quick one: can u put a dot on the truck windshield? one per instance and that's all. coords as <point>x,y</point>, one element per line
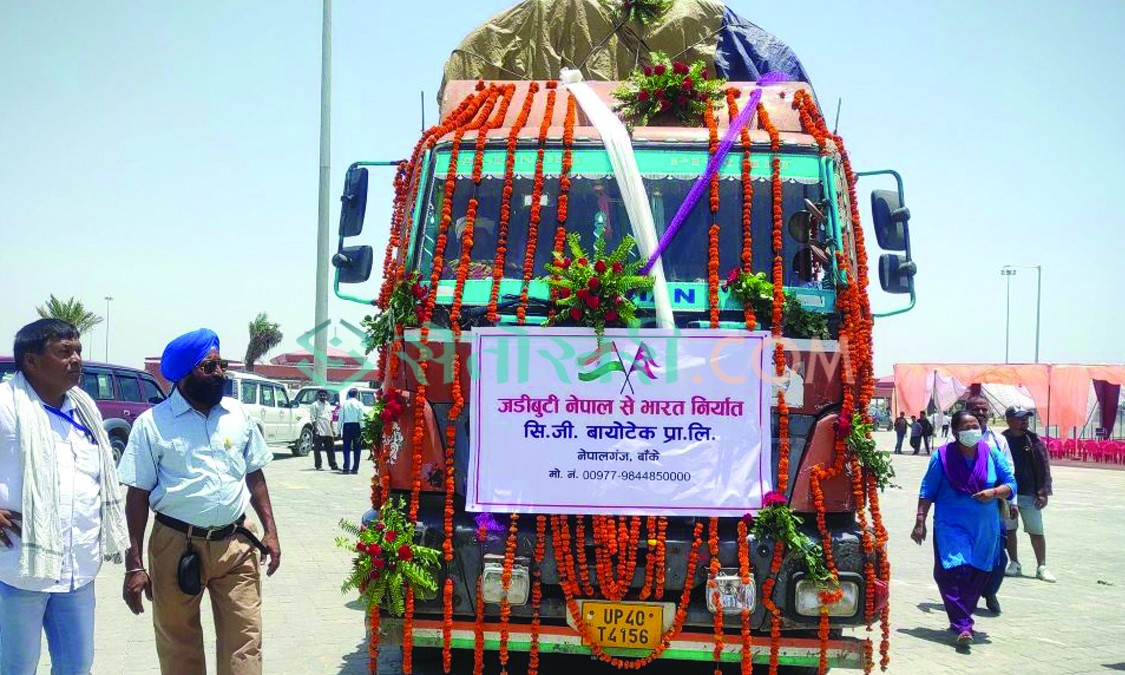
<point>595,208</point>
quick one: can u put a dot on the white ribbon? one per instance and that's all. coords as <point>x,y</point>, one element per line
<point>619,147</point>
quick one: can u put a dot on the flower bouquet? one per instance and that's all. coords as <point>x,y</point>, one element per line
<point>667,90</point>
<point>594,289</point>
<point>388,561</point>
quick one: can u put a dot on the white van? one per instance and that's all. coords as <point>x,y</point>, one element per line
<point>281,420</point>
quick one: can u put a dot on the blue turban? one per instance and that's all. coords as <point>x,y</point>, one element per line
<point>185,352</point>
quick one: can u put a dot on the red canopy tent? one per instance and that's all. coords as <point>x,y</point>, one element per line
<point>1061,392</point>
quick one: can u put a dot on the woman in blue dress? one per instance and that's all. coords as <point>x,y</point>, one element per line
<point>963,480</point>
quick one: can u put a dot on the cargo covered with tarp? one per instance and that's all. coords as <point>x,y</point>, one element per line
<point>536,39</point>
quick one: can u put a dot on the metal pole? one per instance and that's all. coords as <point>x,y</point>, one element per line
<point>323,244</point>
<point>1038,304</point>
<point>108,299</point>
<point>1008,318</point>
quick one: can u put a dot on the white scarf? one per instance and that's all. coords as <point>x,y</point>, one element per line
<point>41,550</point>
<point>619,148</point>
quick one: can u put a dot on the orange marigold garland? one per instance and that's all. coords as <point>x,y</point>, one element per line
<point>537,593</point>
<point>661,552</point>
<point>457,394</point>
<point>583,566</point>
<point>373,643</point>
<point>570,590</point>
<point>747,203</point>
<point>506,583</point>
<point>536,209</point>
<point>713,589</point>
<point>564,182</point>
<point>506,200</point>
<point>774,610</point>
<point>478,622</point>
<point>747,662</point>
<point>713,232</point>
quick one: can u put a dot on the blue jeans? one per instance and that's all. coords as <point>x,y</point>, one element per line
<point>68,619</point>
<point>351,446</point>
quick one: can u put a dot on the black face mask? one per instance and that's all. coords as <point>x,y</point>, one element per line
<point>208,391</point>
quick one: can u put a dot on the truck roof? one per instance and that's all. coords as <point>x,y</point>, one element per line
<point>777,98</point>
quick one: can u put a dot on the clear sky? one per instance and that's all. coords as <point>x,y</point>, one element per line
<point>166,154</point>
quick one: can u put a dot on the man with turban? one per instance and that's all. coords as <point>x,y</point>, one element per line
<point>196,460</point>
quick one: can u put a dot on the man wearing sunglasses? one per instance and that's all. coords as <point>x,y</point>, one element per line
<point>196,460</point>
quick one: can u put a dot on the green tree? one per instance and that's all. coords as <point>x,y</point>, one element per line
<point>264,336</point>
<point>71,311</point>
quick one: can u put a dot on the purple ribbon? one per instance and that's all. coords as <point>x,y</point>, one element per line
<point>744,117</point>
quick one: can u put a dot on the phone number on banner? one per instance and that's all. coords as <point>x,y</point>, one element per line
<point>652,476</point>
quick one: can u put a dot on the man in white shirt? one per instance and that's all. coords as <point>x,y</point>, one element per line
<point>351,418</point>
<point>320,413</point>
<point>61,512</point>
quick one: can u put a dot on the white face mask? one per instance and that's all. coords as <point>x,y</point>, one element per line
<point>969,437</point>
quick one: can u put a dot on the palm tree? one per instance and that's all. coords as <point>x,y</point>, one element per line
<point>72,311</point>
<point>264,336</point>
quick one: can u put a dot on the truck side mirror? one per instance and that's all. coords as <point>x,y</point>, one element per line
<point>891,220</point>
<point>896,273</point>
<point>353,264</point>
<point>353,203</point>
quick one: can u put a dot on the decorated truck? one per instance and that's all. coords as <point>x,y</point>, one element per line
<point>625,341</point>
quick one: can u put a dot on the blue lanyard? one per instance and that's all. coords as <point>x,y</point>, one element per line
<point>74,423</point>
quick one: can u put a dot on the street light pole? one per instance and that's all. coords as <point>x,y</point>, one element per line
<point>108,299</point>
<point>323,244</point>
<point>1038,304</point>
<point>1008,273</point>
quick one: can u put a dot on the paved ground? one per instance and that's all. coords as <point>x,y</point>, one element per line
<point>1074,626</point>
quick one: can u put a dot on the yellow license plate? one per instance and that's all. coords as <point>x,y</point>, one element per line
<point>624,624</point>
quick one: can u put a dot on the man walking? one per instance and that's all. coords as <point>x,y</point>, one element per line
<point>980,409</point>
<point>900,432</point>
<point>351,417</point>
<point>941,422</point>
<point>196,460</point>
<point>323,439</point>
<point>927,430</point>
<point>915,434</point>
<point>1033,487</point>
<point>61,512</point>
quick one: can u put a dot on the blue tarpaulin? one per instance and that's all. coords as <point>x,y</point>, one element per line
<point>746,52</point>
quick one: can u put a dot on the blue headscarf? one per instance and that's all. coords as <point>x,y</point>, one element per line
<point>185,352</point>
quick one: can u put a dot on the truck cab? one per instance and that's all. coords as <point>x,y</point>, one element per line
<point>819,230</point>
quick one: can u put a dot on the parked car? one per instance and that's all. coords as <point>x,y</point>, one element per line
<point>121,394</point>
<point>281,420</point>
<point>306,396</point>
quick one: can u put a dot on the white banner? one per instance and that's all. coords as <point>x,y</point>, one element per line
<point>651,422</point>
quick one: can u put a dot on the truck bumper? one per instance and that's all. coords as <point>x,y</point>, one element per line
<point>843,652</point>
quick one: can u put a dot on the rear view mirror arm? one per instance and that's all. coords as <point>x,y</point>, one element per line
<point>901,200</point>
<point>340,242</point>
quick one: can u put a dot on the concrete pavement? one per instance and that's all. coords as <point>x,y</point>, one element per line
<point>1074,626</point>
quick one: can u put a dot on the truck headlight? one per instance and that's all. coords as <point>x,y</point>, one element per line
<point>492,582</point>
<point>733,595</point>
<point>807,597</point>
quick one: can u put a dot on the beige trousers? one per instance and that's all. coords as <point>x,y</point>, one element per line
<point>231,575</point>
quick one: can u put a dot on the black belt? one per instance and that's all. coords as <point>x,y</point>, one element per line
<point>212,533</point>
